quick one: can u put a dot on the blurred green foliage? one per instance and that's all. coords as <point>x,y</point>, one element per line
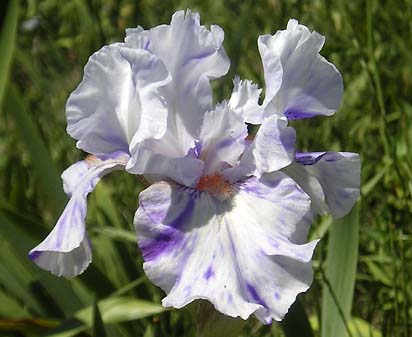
<point>44,46</point>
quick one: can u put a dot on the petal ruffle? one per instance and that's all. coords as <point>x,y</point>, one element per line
<point>299,82</point>
<point>240,253</point>
<point>193,55</point>
<point>222,139</point>
<point>118,100</point>
<point>66,251</point>
<point>244,101</point>
<point>332,180</point>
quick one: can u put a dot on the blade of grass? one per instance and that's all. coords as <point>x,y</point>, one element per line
<point>114,310</point>
<point>339,276</point>
<point>7,44</point>
<point>98,326</point>
<point>37,289</point>
<point>44,168</point>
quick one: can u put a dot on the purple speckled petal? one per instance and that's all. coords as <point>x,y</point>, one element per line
<point>66,250</point>
<point>118,100</point>
<point>242,253</point>
<point>244,101</point>
<point>332,179</point>
<point>193,55</point>
<point>299,82</point>
<point>271,150</point>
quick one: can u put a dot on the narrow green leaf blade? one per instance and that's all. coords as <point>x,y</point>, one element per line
<point>340,274</point>
<point>120,309</point>
<point>113,309</point>
<point>44,168</point>
<point>7,44</point>
<point>98,326</point>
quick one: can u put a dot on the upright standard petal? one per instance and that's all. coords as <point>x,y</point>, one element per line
<point>118,100</point>
<point>222,139</point>
<point>299,82</point>
<point>332,180</point>
<point>66,251</point>
<point>193,55</point>
<point>239,253</point>
<point>244,101</point>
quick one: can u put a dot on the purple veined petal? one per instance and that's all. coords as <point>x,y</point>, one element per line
<point>242,254</point>
<point>308,158</point>
<point>66,251</point>
<point>193,55</point>
<point>332,181</point>
<point>244,101</point>
<point>271,150</point>
<point>118,99</point>
<point>299,82</point>
<point>222,138</point>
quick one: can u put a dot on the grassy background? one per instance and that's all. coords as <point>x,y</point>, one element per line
<point>369,41</point>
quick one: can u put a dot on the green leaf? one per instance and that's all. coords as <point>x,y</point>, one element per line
<point>122,235</point>
<point>357,326</point>
<point>98,326</point>
<point>114,310</point>
<point>7,44</point>
<point>40,291</point>
<point>340,274</point>
<point>10,307</point>
<point>44,168</point>
<point>120,309</point>
<point>361,328</point>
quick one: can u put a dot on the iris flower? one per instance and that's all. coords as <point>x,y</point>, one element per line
<point>226,217</point>
<point>131,94</point>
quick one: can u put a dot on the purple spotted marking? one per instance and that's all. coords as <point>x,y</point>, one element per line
<point>34,255</point>
<point>297,114</point>
<point>255,296</point>
<point>277,295</point>
<point>170,238</point>
<point>309,158</point>
<point>331,157</point>
<point>230,298</point>
<point>146,46</point>
<point>209,273</point>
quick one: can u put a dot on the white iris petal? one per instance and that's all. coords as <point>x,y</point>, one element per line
<point>300,83</point>
<point>234,239</point>
<point>332,181</point>
<point>66,251</point>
